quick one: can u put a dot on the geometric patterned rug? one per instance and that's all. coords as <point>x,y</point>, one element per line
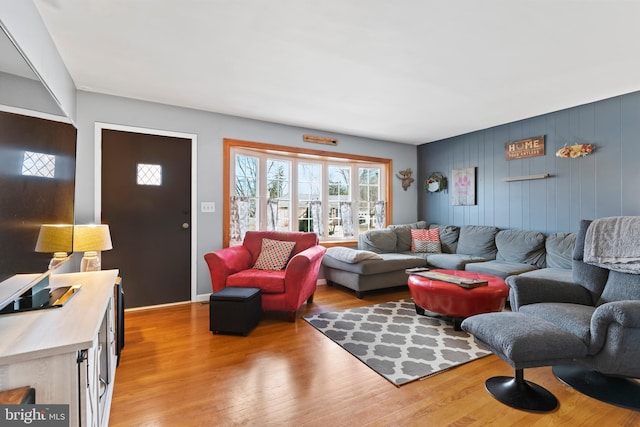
<point>396,342</point>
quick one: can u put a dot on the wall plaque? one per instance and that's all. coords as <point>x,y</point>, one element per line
<point>320,139</point>
<point>524,148</point>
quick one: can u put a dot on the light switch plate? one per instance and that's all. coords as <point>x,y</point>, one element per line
<point>207,207</point>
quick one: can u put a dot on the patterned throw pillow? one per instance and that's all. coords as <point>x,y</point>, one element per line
<point>425,240</point>
<point>274,254</point>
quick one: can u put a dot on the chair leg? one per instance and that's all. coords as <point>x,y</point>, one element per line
<point>291,316</point>
<point>310,299</point>
<point>521,394</point>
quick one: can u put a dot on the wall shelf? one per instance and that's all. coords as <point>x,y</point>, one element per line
<point>526,177</point>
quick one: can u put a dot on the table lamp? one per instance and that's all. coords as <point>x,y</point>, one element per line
<point>56,239</point>
<point>91,239</point>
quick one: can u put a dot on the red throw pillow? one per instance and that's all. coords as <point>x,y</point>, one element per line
<point>425,241</point>
<point>274,254</point>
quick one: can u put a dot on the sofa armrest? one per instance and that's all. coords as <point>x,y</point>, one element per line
<point>530,290</point>
<point>301,273</point>
<point>225,262</point>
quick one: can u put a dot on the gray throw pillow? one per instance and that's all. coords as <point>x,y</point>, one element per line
<point>560,247</point>
<point>478,240</point>
<point>349,255</point>
<point>380,241</point>
<point>448,237</point>
<point>521,246</point>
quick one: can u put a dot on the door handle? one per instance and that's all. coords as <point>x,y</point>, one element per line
<point>185,225</point>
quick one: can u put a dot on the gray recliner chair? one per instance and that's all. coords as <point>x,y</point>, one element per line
<point>589,331</point>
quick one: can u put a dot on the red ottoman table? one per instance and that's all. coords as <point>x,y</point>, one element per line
<point>456,302</point>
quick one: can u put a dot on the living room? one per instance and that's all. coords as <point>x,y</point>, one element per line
<point>590,187</point>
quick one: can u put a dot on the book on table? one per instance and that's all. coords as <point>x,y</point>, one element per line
<point>450,278</point>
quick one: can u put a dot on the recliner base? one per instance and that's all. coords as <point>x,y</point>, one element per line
<point>619,391</point>
<point>521,394</point>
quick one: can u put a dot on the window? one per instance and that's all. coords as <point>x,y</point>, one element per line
<point>149,174</point>
<point>278,194</point>
<point>39,164</point>
<point>309,191</point>
<point>339,184</point>
<point>270,187</point>
<point>369,187</point>
<point>246,187</point>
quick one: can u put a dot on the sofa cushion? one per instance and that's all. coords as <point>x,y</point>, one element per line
<point>270,281</point>
<point>560,247</point>
<point>520,246</point>
<point>451,261</point>
<point>379,241</point>
<point>478,240</point>
<point>502,269</point>
<point>274,254</point>
<point>350,255</point>
<point>448,237</point>
<point>389,262</point>
<point>403,234</point>
<point>425,241</point>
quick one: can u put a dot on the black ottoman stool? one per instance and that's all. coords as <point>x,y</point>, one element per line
<point>234,310</point>
<point>523,342</point>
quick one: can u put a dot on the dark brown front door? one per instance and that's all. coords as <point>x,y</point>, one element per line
<point>146,200</point>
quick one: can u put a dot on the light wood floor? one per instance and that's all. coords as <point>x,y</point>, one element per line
<point>174,372</point>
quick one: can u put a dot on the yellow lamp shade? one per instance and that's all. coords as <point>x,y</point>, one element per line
<point>91,238</point>
<point>54,238</point>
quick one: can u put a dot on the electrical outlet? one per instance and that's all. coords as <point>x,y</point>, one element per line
<point>207,207</point>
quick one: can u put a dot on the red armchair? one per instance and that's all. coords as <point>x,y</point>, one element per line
<point>282,290</point>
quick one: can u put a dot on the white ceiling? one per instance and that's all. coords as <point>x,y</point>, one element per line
<point>410,71</point>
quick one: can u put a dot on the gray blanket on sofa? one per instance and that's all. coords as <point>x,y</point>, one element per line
<point>614,243</point>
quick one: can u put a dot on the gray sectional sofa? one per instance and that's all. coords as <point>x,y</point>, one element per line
<point>382,256</point>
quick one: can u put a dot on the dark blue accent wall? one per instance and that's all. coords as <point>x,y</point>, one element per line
<point>604,183</point>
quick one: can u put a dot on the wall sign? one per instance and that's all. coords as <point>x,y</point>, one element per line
<point>464,187</point>
<point>320,139</point>
<point>524,148</point>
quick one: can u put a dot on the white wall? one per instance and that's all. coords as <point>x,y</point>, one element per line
<point>22,21</point>
<point>210,129</point>
<point>28,94</point>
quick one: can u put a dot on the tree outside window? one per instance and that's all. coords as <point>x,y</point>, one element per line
<point>369,192</point>
<point>339,191</point>
<point>278,187</point>
<point>246,184</point>
<point>309,189</point>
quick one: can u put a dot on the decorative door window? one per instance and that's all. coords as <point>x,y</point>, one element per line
<point>149,174</point>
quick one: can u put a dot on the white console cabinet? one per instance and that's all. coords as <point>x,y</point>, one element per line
<point>68,354</point>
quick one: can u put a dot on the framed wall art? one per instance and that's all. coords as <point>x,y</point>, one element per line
<point>464,187</point>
